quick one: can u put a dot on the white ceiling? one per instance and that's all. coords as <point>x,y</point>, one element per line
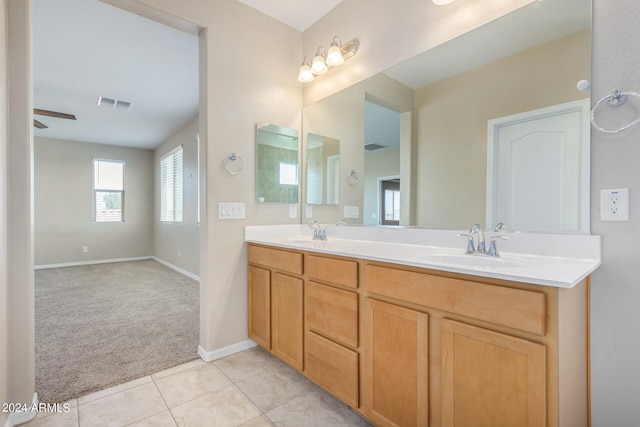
<point>84,49</point>
<point>299,14</point>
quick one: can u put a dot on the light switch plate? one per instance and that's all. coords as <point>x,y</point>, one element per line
<point>614,205</point>
<point>293,211</point>
<point>352,212</point>
<point>231,211</point>
<point>308,212</point>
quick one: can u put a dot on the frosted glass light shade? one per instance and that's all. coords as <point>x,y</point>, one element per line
<point>442,2</point>
<point>334,55</point>
<point>305,74</point>
<point>318,65</point>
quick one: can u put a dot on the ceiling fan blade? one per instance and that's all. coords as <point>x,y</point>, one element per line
<point>53,114</point>
<point>39,125</point>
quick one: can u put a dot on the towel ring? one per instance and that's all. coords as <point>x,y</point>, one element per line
<point>352,177</point>
<point>614,100</point>
<point>233,164</point>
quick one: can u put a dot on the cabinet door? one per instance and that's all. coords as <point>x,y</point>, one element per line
<point>491,379</point>
<point>333,367</point>
<point>286,319</point>
<point>259,306</point>
<point>395,365</point>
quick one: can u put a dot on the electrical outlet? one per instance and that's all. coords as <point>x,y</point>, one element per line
<point>293,211</point>
<point>614,205</point>
<point>85,249</point>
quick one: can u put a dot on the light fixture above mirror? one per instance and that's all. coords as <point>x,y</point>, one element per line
<point>325,60</point>
<point>442,2</point>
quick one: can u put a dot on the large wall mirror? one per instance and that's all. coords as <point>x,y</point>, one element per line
<point>422,125</point>
<point>277,172</point>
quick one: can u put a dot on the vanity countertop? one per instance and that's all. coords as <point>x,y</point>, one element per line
<point>560,260</point>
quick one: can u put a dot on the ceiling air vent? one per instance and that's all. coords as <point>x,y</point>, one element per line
<point>113,103</point>
<point>373,146</point>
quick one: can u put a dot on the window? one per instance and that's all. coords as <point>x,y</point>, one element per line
<point>108,191</point>
<point>288,174</point>
<point>171,186</point>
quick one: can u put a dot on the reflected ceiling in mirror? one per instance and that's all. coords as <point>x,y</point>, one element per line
<point>277,172</point>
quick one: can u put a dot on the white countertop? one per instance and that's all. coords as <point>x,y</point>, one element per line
<point>560,260</point>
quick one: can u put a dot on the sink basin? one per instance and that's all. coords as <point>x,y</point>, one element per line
<point>474,261</point>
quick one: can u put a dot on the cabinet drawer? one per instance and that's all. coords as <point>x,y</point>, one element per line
<point>275,258</point>
<point>332,312</point>
<point>338,271</point>
<point>333,367</point>
<point>514,308</point>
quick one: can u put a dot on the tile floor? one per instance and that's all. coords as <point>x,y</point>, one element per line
<point>250,389</point>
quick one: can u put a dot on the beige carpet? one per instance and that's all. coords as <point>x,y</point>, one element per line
<point>104,324</point>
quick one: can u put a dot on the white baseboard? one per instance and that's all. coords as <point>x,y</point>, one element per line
<point>106,261</point>
<point>176,268</point>
<point>98,261</point>
<point>210,356</point>
<point>16,418</point>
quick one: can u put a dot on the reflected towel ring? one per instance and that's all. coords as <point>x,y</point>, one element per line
<point>614,100</point>
<point>352,177</point>
<point>233,164</point>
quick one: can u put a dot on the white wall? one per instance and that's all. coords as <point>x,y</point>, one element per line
<point>615,288</point>
<point>178,243</point>
<point>19,303</point>
<point>63,203</point>
<point>248,72</point>
<point>4,319</point>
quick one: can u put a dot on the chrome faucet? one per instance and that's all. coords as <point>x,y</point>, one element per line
<point>477,229</point>
<point>480,248</point>
<point>319,233</point>
<point>342,222</point>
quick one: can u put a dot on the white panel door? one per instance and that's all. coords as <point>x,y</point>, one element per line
<point>538,170</point>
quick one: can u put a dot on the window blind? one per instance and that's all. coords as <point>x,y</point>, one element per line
<point>171,186</point>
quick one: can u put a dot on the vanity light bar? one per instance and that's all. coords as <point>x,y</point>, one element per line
<point>324,60</point>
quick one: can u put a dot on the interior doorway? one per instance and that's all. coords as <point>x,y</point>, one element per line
<point>389,206</point>
<point>382,154</point>
<point>129,79</point>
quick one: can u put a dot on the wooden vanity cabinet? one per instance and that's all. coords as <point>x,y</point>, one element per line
<point>332,357</point>
<point>275,302</point>
<point>490,378</point>
<point>260,306</point>
<point>408,346</point>
<point>488,351</point>
<point>396,368</point>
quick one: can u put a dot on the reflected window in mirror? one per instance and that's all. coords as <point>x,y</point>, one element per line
<point>323,170</point>
<point>277,164</point>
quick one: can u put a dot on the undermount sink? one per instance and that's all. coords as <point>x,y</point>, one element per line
<point>475,261</point>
